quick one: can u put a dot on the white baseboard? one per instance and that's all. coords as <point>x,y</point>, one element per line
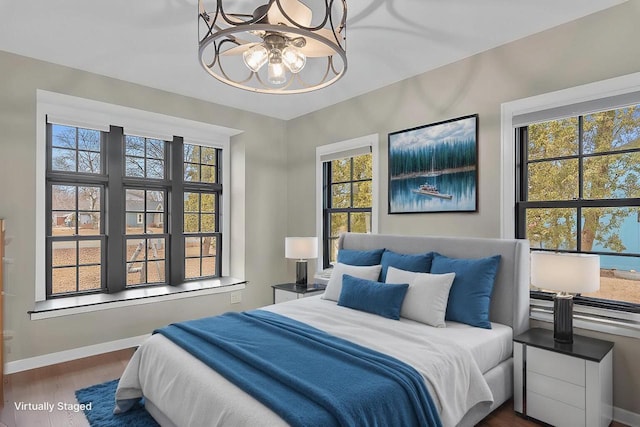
<point>73,354</point>
<point>626,417</point>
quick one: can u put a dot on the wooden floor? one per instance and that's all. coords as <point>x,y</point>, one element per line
<point>57,383</point>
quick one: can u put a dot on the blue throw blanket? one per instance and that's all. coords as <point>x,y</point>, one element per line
<point>306,376</point>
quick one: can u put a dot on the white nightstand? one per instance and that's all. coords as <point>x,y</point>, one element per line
<point>563,384</point>
<point>290,291</point>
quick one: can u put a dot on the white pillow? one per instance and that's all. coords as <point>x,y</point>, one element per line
<point>427,296</point>
<point>334,287</point>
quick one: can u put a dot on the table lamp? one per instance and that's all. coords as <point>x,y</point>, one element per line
<point>569,274</point>
<point>301,249</point>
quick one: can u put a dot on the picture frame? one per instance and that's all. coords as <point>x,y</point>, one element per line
<point>434,168</point>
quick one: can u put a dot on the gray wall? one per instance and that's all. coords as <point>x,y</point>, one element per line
<point>597,47</point>
<point>258,156</point>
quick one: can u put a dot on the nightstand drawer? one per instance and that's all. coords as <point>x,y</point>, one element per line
<point>553,412</point>
<point>556,365</point>
<point>555,389</point>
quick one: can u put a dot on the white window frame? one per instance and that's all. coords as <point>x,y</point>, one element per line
<point>371,141</point>
<point>74,111</point>
<point>597,319</point>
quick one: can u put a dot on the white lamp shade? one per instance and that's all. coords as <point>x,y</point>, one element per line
<point>572,273</point>
<point>301,247</point>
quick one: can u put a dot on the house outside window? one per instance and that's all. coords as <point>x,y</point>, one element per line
<point>108,224</point>
<point>578,191</point>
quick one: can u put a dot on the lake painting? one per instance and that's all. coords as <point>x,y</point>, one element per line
<point>433,168</point>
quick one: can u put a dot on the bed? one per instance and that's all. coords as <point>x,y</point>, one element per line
<point>180,390</point>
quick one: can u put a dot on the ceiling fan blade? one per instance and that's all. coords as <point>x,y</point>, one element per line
<point>238,50</point>
<point>315,48</point>
<point>297,10</point>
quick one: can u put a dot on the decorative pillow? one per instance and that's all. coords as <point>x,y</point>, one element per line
<point>470,295</point>
<point>418,263</point>
<point>373,297</point>
<point>334,286</point>
<point>426,300</point>
<point>354,257</point>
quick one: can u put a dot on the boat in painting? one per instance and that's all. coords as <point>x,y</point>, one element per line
<point>432,190</point>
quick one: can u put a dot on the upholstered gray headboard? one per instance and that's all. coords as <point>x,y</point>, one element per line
<point>510,298</point>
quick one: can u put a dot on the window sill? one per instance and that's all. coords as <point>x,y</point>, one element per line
<point>130,297</point>
<point>591,318</point>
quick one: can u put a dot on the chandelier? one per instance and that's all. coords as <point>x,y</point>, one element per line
<point>282,47</point>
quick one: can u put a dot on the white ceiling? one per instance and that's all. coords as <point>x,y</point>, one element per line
<point>154,42</point>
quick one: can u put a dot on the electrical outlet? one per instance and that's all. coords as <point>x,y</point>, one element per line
<point>236,297</point>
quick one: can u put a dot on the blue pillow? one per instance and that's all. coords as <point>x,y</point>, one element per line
<point>470,294</point>
<point>361,258</point>
<point>373,297</point>
<point>417,263</point>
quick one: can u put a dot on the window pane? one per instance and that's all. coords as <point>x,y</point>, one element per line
<point>90,252</point>
<point>362,197</point>
<point>191,268</point>
<point>155,169</point>
<point>192,247</point>
<point>338,224</point>
<point>208,174</point>
<point>89,278</point>
<point>611,130</point>
<point>155,201</point>
<point>63,254</point>
<point>155,149</point>
<point>553,180</point>
<point>208,223</point>
<point>362,167</point>
<point>341,170</point>
<point>618,285</point>
<point>89,139</point>
<point>63,280</point>
<point>88,223</point>
<point>155,223</point>
<point>63,197</point>
<point>191,172</point>
<point>89,198</point>
<point>333,250</point>
<point>611,229</point>
<point>360,222</point>
<point>134,167</point>
<point>209,246</point>
<point>191,202</point>
<point>191,153</point>
<point>557,138</point>
<point>341,195</point>
<point>63,223</point>
<point>613,176</point>
<point>134,146</point>
<point>63,160</point>
<point>208,156</point>
<point>208,266</point>
<point>191,223</point>
<point>552,228</point>
<point>89,162</point>
<point>63,136</point>
<point>155,271</point>
<point>134,200</point>
<point>208,202</point>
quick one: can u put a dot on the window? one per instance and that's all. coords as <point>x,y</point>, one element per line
<point>578,191</point>
<point>346,191</point>
<point>348,200</point>
<point>110,196</point>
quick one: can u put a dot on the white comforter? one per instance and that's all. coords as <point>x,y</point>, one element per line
<point>189,393</point>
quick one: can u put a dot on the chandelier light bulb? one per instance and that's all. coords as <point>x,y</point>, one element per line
<point>255,57</point>
<point>276,74</point>
<point>293,59</point>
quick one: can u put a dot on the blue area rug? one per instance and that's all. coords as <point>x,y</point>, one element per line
<point>102,399</point>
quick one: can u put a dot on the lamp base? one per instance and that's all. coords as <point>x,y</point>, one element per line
<point>563,318</point>
<point>301,272</point>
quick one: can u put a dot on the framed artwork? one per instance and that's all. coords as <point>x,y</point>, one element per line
<point>434,168</point>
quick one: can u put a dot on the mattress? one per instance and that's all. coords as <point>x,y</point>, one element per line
<point>488,347</point>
